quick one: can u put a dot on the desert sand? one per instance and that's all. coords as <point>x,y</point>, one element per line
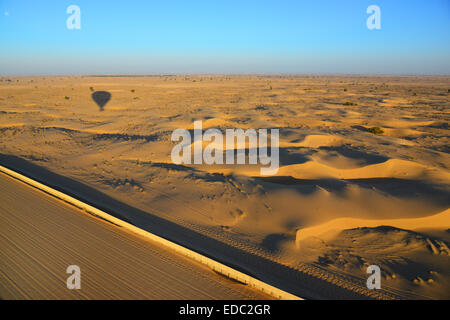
<point>345,196</point>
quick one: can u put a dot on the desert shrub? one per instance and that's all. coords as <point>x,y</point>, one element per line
<point>66,97</point>
<point>376,130</point>
<point>91,88</point>
<point>345,90</point>
<point>348,103</point>
<point>132,90</point>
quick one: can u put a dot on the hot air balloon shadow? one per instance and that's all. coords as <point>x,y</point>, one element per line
<point>101,98</point>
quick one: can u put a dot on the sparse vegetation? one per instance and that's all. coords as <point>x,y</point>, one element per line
<point>66,97</point>
<point>348,103</point>
<point>375,130</point>
<point>92,89</point>
<point>133,91</point>
<point>261,107</point>
<point>345,90</point>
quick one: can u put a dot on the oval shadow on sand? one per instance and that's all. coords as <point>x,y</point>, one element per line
<point>101,98</point>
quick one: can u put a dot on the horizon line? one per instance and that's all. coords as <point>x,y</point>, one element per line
<point>168,74</point>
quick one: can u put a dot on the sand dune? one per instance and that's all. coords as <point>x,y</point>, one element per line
<point>437,221</point>
<point>316,141</point>
<point>334,172</point>
<point>393,168</point>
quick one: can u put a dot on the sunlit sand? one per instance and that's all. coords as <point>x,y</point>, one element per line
<point>346,195</point>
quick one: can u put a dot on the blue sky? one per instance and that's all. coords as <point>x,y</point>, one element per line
<point>224,36</point>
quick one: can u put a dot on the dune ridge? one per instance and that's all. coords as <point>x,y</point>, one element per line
<point>438,221</point>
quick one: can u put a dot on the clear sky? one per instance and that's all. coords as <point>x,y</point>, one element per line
<point>224,36</point>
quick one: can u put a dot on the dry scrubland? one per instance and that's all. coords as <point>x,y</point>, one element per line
<point>346,195</point>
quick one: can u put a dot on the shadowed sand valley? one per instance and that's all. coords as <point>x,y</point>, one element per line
<point>346,195</point>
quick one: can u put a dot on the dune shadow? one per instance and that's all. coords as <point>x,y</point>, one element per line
<point>191,171</point>
<point>296,155</point>
<point>400,188</point>
<point>360,128</point>
<point>302,186</point>
<point>351,153</point>
<point>406,188</point>
<point>385,238</point>
<point>273,242</point>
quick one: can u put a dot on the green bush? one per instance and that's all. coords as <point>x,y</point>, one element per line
<point>376,130</point>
